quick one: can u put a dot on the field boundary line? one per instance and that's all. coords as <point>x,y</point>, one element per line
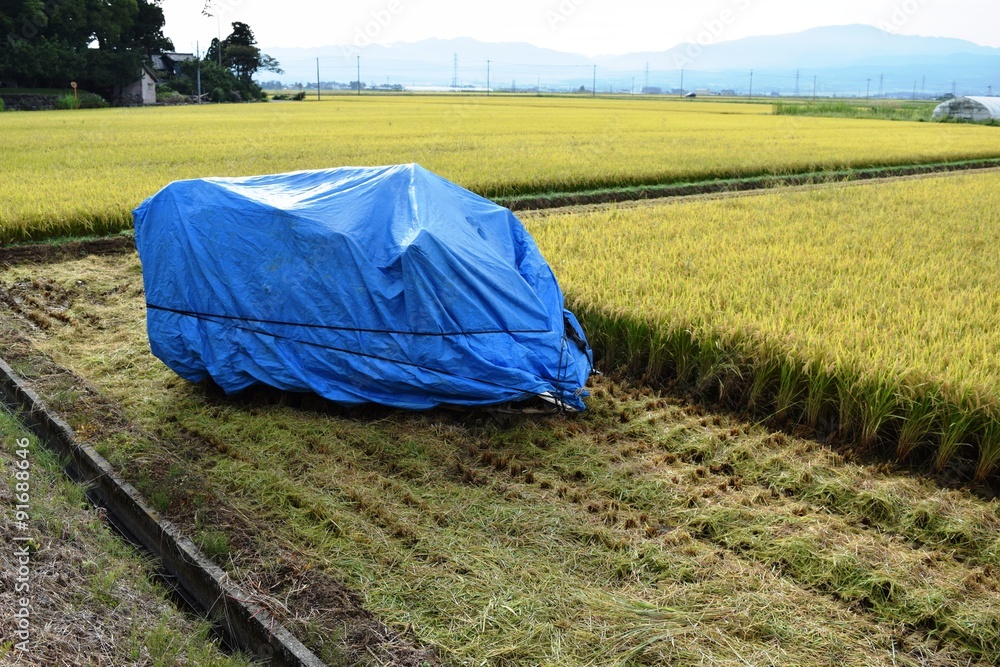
<point>715,189</point>
<point>732,194</point>
<point>198,581</point>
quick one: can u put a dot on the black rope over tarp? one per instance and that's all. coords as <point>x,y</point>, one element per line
<point>330,327</point>
<point>556,383</point>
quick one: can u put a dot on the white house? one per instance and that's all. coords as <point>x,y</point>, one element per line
<point>142,91</point>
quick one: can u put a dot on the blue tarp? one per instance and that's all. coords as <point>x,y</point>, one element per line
<point>384,285</point>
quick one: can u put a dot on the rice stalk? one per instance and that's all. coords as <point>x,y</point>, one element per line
<point>917,424</point>
<point>876,401</point>
<point>956,434</point>
<point>819,394</point>
<point>989,450</point>
<point>791,387</point>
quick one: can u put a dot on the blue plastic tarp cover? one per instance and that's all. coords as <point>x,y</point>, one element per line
<point>386,285</point>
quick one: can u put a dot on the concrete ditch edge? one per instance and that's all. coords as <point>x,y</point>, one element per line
<point>199,581</point>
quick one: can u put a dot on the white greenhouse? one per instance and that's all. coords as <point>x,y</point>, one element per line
<point>975,109</point>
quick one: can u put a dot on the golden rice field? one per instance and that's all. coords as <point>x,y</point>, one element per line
<point>647,530</point>
<point>79,172</point>
<point>871,309</point>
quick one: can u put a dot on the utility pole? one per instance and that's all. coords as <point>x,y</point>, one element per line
<point>594,89</point>
<point>796,83</point>
<point>454,73</point>
<point>815,79</point>
<point>319,86</point>
<point>914,90</point>
<point>646,87</point>
<point>633,85</point>
<point>359,76</point>
<point>197,48</point>
<point>868,90</point>
<point>487,78</point>
<point>881,80</point>
<point>751,84</point>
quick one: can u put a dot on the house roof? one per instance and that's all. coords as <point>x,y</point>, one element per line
<point>151,71</point>
<point>164,62</point>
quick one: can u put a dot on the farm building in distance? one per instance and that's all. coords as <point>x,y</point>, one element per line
<point>168,65</point>
<point>975,109</point>
<point>142,91</point>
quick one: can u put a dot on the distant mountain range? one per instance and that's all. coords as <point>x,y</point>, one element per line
<point>853,60</point>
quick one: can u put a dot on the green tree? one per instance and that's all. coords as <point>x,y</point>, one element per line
<point>20,20</point>
<point>100,43</point>
<point>146,32</point>
<point>212,77</point>
<point>241,54</point>
<point>41,63</point>
<point>212,54</point>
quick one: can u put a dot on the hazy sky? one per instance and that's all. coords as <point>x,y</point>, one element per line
<point>590,27</point>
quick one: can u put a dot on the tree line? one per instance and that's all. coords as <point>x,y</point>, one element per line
<point>102,44</point>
